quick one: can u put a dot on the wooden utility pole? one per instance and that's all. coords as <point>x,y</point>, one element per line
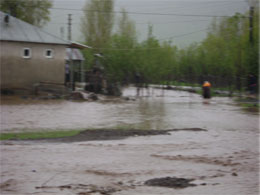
<point>71,55</point>
<point>69,26</point>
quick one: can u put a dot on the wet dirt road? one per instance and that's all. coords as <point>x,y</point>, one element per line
<point>222,160</point>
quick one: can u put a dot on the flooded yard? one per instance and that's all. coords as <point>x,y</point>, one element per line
<point>221,158</point>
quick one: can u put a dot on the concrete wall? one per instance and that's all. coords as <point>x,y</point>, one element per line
<point>19,72</point>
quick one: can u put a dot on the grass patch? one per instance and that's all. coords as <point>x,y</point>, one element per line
<point>249,103</point>
<point>252,107</point>
<point>38,135</point>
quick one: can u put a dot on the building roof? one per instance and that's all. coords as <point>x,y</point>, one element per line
<point>14,29</point>
<point>74,54</point>
<point>79,45</point>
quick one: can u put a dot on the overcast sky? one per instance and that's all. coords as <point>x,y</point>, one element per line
<point>183,25</point>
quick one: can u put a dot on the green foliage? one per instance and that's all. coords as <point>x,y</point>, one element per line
<point>229,54</point>
<point>97,23</point>
<point>89,58</point>
<point>38,135</point>
<point>35,12</point>
<point>225,57</point>
<point>121,56</point>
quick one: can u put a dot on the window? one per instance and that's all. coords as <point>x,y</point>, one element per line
<point>49,53</point>
<point>27,53</point>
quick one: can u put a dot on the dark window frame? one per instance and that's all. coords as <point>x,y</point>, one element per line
<point>27,52</point>
<point>49,53</point>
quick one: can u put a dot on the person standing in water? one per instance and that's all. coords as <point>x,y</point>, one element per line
<point>206,90</point>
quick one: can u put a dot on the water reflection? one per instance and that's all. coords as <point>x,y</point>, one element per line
<point>152,114</point>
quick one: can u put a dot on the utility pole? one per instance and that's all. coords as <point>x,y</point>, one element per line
<point>72,82</point>
<point>252,4</point>
<point>69,26</point>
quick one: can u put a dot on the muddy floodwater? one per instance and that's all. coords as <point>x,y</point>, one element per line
<point>219,157</point>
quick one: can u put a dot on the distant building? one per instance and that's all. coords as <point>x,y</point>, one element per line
<point>29,55</point>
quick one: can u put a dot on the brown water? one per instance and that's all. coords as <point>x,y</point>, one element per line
<point>222,160</point>
<point>173,110</point>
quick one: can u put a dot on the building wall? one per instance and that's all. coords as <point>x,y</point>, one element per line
<point>19,72</point>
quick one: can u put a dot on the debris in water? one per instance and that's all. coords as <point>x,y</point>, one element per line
<point>234,174</point>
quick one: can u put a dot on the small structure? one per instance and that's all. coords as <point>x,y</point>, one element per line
<point>75,60</point>
<point>74,69</point>
<point>29,55</point>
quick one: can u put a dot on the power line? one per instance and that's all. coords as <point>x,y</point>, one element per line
<point>171,22</point>
<point>191,5</point>
<point>198,6</point>
<point>178,21</point>
<point>142,13</point>
<point>145,13</point>
<point>182,35</point>
<point>172,37</point>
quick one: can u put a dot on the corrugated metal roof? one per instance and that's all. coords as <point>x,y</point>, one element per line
<point>74,54</point>
<point>18,30</point>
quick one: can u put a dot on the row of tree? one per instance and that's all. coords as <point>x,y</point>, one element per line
<point>225,57</point>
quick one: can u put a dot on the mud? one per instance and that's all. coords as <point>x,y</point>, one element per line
<point>7,185</point>
<point>107,134</point>
<point>113,134</point>
<point>84,189</point>
<point>199,159</point>
<point>171,182</point>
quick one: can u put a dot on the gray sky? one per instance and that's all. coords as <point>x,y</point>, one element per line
<point>184,24</point>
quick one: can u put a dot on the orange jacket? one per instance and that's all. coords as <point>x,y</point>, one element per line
<point>206,84</point>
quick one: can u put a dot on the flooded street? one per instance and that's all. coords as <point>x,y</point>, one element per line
<point>224,159</point>
<point>173,109</point>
